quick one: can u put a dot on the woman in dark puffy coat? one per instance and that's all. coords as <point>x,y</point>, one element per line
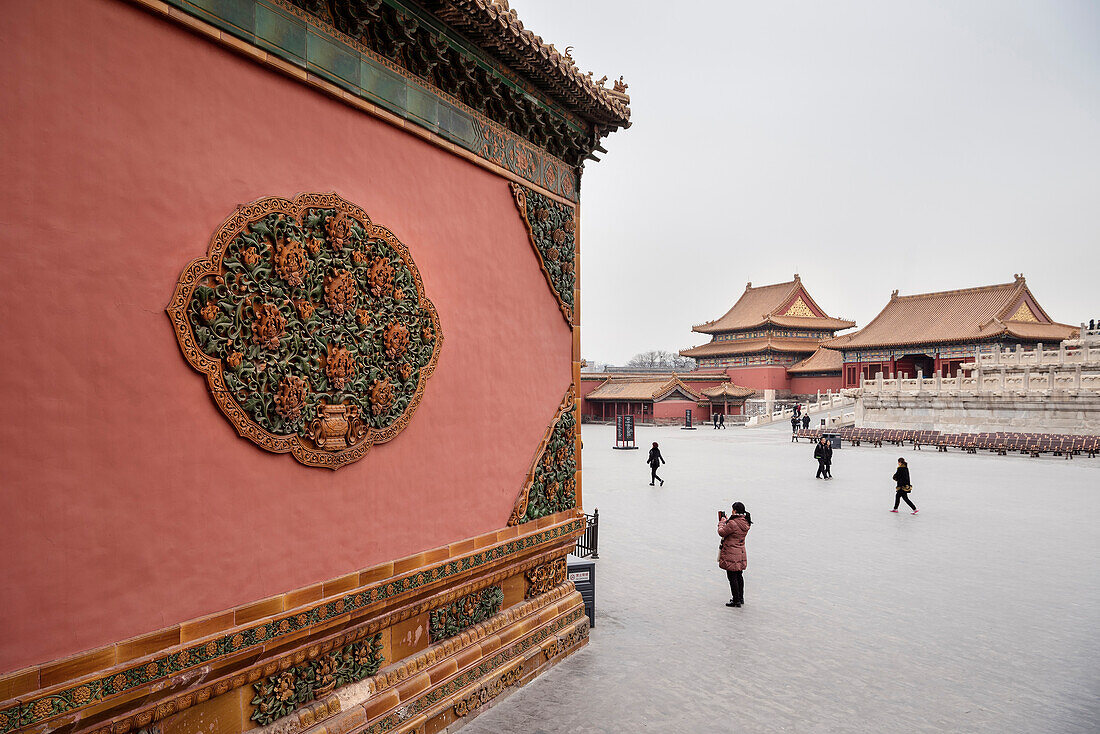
<point>901,477</point>
<point>655,460</point>
<point>731,554</point>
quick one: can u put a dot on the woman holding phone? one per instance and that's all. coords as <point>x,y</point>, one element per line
<point>731,553</point>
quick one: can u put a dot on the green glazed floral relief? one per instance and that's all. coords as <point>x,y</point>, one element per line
<point>312,326</point>
<point>280,694</point>
<point>471,609</point>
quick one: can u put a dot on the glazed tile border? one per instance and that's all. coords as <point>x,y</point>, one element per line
<point>90,692</point>
<point>479,135</point>
<point>568,405</point>
<point>563,284</point>
<point>394,675</point>
<point>470,676</point>
<point>411,665</point>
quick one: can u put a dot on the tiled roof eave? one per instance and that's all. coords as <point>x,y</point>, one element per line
<point>1019,328</point>
<point>829,324</point>
<point>727,390</point>
<point>801,322</point>
<point>718,351</point>
<point>633,398</point>
<point>922,343</point>
<point>501,33</point>
<point>813,368</point>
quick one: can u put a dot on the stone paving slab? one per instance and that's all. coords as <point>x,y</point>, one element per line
<point>980,614</point>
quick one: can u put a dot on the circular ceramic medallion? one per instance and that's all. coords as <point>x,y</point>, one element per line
<point>311,325</point>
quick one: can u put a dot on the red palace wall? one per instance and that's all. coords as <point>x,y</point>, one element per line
<point>129,503</point>
<point>810,385</point>
<point>676,408</point>
<point>760,378</point>
<point>583,388</point>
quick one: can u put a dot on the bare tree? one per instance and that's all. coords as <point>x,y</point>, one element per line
<point>659,359</point>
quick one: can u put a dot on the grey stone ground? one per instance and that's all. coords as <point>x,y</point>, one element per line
<point>980,614</point>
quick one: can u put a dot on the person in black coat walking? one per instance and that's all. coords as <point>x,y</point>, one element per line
<point>721,420</point>
<point>715,417</point>
<point>655,460</point>
<point>824,455</point>
<point>901,477</point>
<point>794,429</point>
<point>805,422</point>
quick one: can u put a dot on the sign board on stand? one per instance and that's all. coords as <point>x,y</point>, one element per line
<point>687,421</point>
<point>624,432</point>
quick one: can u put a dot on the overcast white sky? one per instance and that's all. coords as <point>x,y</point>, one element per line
<point>866,145</point>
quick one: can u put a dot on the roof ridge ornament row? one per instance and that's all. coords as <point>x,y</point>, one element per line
<point>1017,281</point>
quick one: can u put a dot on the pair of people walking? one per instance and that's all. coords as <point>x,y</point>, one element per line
<point>823,452</point>
<point>732,557</point>
<point>719,420</point>
<point>804,421</point>
<point>655,460</point>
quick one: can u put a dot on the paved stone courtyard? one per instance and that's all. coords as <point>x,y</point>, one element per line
<point>980,614</point>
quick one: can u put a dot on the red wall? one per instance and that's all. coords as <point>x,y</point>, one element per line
<point>810,385</point>
<point>760,378</point>
<point>585,387</point>
<point>676,408</point>
<point>129,503</point>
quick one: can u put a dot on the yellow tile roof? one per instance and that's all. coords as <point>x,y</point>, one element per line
<point>823,360</point>
<point>728,390</point>
<point>967,314</point>
<point>641,387</point>
<point>783,304</point>
<point>742,346</point>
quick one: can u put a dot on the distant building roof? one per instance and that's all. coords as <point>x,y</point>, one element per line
<point>781,304</point>
<point>694,376</point>
<point>823,360</point>
<point>642,388</point>
<point>742,346</point>
<point>728,390</point>
<point>969,314</point>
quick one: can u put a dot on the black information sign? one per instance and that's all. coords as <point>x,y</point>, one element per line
<point>687,420</point>
<point>624,432</point>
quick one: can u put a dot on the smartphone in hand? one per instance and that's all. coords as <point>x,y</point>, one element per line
<point>721,515</point>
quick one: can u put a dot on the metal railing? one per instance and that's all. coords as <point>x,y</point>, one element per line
<point>589,543</point>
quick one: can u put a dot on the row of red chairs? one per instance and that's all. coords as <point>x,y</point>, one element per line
<point>1033,444</point>
<point>1000,442</point>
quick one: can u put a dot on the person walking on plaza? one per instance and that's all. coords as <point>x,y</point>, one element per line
<point>655,460</point>
<point>828,458</point>
<point>794,429</point>
<point>805,422</point>
<point>821,454</point>
<point>731,553</point>
<point>721,420</point>
<point>901,477</point>
<point>715,417</point>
